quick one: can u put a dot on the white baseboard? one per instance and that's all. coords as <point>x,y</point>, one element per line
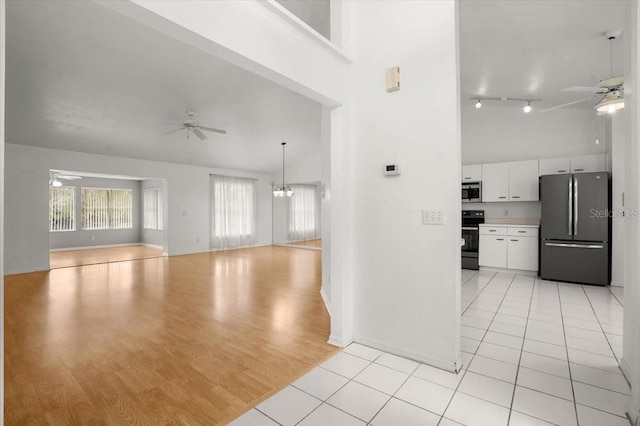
<point>97,247</point>
<point>155,246</point>
<point>336,341</point>
<point>326,302</point>
<point>235,248</point>
<point>406,353</point>
<point>297,246</point>
<point>509,271</point>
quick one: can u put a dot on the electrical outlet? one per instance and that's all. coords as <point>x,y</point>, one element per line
<point>432,217</point>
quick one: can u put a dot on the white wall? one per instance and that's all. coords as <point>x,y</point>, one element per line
<point>406,275</point>
<point>495,134</point>
<point>631,346</point>
<point>99,237</point>
<point>154,237</point>
<point>188,195</point>
<point>618,142</point>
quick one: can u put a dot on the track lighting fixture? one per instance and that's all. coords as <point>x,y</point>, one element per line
<point>527,108</point>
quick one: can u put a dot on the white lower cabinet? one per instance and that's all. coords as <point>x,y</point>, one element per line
<point>522,253</point>
<point>508,247</point>
<point>492,251</point>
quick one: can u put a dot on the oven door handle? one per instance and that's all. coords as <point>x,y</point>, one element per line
<point>470,228</point>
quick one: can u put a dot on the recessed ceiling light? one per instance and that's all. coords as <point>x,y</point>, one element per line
<point>527,107</point>
<point>478,104</point>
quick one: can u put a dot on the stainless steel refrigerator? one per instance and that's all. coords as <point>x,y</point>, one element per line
<point>575,228</point>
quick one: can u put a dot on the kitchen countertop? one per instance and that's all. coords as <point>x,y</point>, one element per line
<point>512,222</point>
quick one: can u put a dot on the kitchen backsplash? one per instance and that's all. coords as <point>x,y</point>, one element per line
<point>522,210</point>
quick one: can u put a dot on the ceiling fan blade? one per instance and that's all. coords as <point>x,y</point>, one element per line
<point>174,130</point>
<point>211,129</point>
<point>199,134</point>
<point>585,89</point>
<point>567,104</point>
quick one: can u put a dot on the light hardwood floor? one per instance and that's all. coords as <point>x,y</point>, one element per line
<point>65,258</point>
<point>194,339</point>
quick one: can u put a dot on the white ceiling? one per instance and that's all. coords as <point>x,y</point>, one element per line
<point>535,48</point>
<point>83,78</point>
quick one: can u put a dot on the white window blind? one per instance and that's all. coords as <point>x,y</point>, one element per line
<point>233,212</point>
<point>62,207</point>
<point>107,208</point>
<point>153,205</point>
<point>304,220</point>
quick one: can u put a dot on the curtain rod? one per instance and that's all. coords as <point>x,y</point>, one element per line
<point>236,177</point>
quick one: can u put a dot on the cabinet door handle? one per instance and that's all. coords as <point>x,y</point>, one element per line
<point>514,240</point>
<point>493,230</point>
<point>467,177</point>
<point>522,232</point>
<point>515,196</point>
<point>562,171</point>
<point>502,198</point>
<point>499,239</point>
<point>579,170</point>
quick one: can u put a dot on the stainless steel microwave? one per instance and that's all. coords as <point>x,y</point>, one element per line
<point>472,192</point>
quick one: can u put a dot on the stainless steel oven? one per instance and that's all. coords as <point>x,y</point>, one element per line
<point>471,219</point>
<point>471,192</point>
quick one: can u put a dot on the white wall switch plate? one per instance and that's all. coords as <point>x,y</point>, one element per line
<point>432,217</point>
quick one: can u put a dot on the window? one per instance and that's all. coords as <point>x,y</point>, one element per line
<point>303,213</point>
<point>62,207</point>
<point>153,208</point>
<point>233,213</point>
<point>107,208</point>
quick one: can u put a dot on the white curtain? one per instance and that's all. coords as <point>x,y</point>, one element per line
<point>233,212</point>
<point>304,219</point>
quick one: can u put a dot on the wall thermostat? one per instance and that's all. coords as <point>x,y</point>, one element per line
<point>391,169</point>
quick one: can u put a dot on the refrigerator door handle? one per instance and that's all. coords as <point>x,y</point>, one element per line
<point>584,246</point>
<point>575,206</point>
<point>570,206</point>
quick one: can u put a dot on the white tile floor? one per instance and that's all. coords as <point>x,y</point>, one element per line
<point>535,353</point>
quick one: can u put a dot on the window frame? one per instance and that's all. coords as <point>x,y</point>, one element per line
<point>109,209</point>
<point>73,207</point>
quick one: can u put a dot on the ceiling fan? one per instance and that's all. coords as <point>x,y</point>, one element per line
<point>611,89</point>
<point>54,178</point>
<point>192,125</point>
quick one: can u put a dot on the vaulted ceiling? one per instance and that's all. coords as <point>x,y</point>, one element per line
<point>81,77</point>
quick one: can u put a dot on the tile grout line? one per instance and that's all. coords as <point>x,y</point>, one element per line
<point>515,380</point>
<point>477,294</point>
<point>476,351</point>
<point>600,325</point>
<point>573,391</point>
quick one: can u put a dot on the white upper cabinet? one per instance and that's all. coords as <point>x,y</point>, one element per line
<point>515,181</point>
<point>588,163</point>
<point>472,173</point>
<point>523,181</point>
<point>555,166</point>
<point>495,182</point>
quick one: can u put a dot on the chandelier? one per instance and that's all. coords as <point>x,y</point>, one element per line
<point>283,190</point>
